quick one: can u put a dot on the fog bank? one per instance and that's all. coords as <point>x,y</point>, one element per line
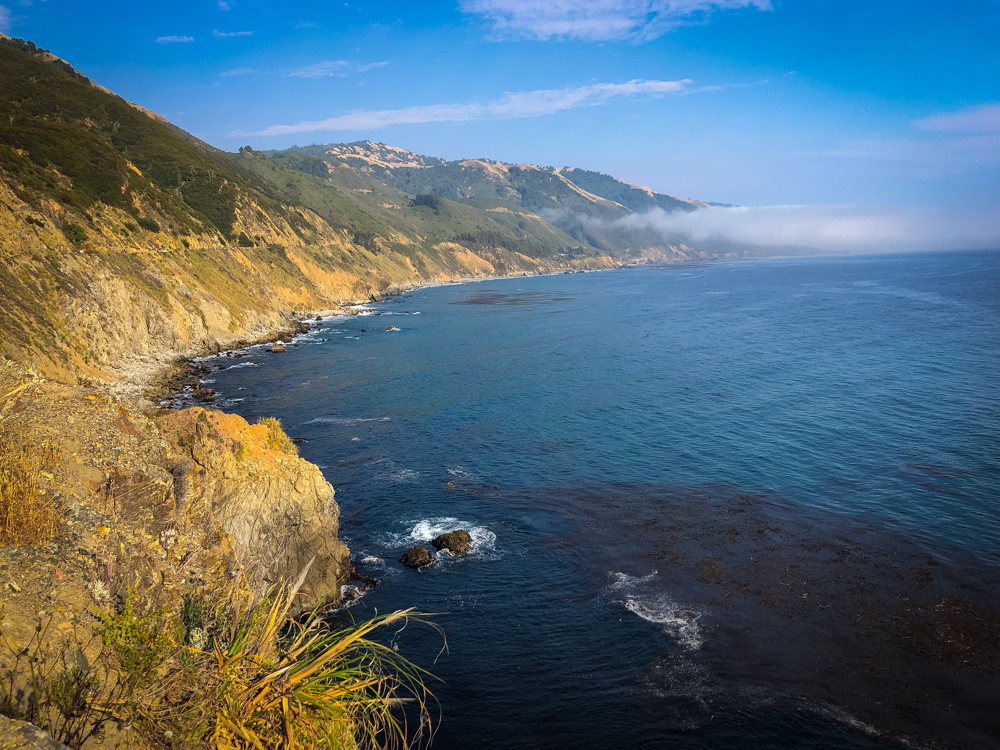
<point>843,229</point>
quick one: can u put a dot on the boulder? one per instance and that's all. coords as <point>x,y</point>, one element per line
<point>20,735</point>
<point>457,542</point>
<point>416,557</point>
<point>277,346</point>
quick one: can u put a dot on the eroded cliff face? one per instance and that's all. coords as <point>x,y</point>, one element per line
<point>278,509</point>
<point>169,505</point>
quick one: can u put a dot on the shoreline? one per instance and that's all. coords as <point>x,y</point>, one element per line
<point>164,377</point>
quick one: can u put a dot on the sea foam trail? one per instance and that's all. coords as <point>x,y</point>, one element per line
<point>348,421</point>
<point>680,623</point>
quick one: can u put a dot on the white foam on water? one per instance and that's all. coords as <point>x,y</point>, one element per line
<point>243,364</point>
<point>350,595</point>
<point>424,531</point>
<point>679,622</point>
<point>398,476</point>
<point>348,421</point>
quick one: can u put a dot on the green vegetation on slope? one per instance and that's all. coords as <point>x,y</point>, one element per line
<point>588,209</point>
<point>66,139</point>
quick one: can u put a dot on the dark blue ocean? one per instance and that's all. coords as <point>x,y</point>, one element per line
<point>738,505</point>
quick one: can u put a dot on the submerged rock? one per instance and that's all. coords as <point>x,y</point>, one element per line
<point>417,557</point>
<point>457,542</point>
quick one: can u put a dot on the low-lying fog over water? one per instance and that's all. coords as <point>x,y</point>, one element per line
<point>737,505</point>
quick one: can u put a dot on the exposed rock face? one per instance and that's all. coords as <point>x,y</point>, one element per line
<point>20,735</point>
<point>277,346</point>
<point>457,542</point>
<point>277,509</point>
<point>417,557</point>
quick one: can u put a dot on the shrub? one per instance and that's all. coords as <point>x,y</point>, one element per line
<point>74,233</point>
<point>428,199</point>
<point>276,438</point>
<point>150,225</point>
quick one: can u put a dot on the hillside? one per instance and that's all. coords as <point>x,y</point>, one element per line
<point>584,205</point>
<point>127,241</point>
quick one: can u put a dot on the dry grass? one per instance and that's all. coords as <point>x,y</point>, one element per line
<point>27,513</point>
<point>288,684</point>
<point>248,677</point>
<point>276,438</point>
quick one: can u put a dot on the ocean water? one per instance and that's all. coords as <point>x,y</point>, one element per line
<point>751,504</point>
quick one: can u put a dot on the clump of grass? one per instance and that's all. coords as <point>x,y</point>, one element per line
<point>288,684</point>
<point>242,453</point>
<point>27,515</point>
<point>276,438</point>
<point>244,675</point>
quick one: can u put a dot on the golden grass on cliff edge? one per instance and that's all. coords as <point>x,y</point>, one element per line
<point>288,684</point>
<point>27,513</point>
<point>276,438</point>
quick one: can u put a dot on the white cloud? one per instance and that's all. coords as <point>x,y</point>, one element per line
<point>4,19</point>
<point>830,228</point>
<point>226,34</point>
<point>223,5</point>
<point>370,66</point>
<point>982,119</point>
<point>511,105</point>
<point>598,20</point>
<point>238,72</point>
<point>322,70</point>
<point>174,39</point>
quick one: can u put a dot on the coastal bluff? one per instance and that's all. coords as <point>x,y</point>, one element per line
<point>277,509</point>
<point>166,505</point>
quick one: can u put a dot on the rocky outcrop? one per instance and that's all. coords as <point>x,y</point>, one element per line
<point>456,542</point>
<point>185,503</point>
<point>417,557</point>
<point>20,735</point>
<point>276,509</point>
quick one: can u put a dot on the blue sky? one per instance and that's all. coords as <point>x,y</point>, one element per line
<point>888,105</point>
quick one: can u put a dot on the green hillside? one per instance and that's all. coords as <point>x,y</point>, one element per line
<point>586,207</point>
